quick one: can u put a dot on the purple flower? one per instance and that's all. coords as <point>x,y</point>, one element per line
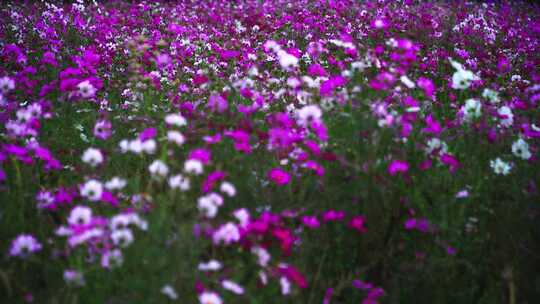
<point>148,133</point>
<point>24,245</point>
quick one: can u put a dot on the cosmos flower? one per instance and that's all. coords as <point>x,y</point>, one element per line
<point>92,156</point>
<point>169,291</point>
<point>92,189</point>
<point>279,176</point>
<point>520,148</point>
<point>500,167</point>
<point>74,278</point>
<point>24,245</point>
<point>210,297</point>
<point>398,166</point>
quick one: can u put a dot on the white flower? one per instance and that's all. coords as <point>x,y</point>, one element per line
<point>124,145</point>
<point>520,148</point>
<point>226,234</point>
<point>135,146</point>
<point>228,188</point>
<point>209,297</point>
<point>121,221</point>
<point>158,168</point>
<point>83,237</point>
<point>407,81</point>
<point>263,277</point>
<point>86,89</point>
<point>435,144</point>
<point>176,137</point>
<point>285,286</point>
<point>80,215</point>
<point>287,60</point>
<point>116,183</point>
<point>179,182</point>
<point>207,206</point>
<point>242,215</point>
<point>232,286</point>
<point>215,198</point>
<point>272,45</point>
<point>137,221</point>
<point>112,259</point>
<point>507,118</point>
<point>23,245</point>
<point>293,82</point>
<point>92,190</point>
<point>491,95</point>
<point>262,255</point>
<point>74,277</point>
<point>193,166</point>
<point>122,237</point>
<point>500,167</point>
<point>175,120</point>
<point>308,113</point>
<point>212,265</point>
<point>169,291</point>
<point>6,84</point>
<point>462,194</point>
<point>92,156</point>
<point>462,78</point>
<point>472,109</point>
<point>149,146</point>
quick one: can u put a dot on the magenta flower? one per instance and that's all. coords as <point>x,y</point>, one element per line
<point>451,161</point>
<point>211,180</point>
<point>148,133</point>
<point>328,86</point>
<point>333,215</point>
<point>398,166</point>
<point>427,85</point>
<point>358,223</point>
<point>217,103</point>
<point>279,176</point>
<point>311,221</point>
<point>291,273</point>
<point>316,70</point>
<point>200,154</point>
<point>433,126</point>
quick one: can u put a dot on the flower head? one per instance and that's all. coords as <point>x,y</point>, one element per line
<point>24,245</point>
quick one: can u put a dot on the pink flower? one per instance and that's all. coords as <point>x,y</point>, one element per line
<point>279,176</point>
<point>200,154</point>
<point>451,161</point>
<point>311,221</point>
<point>211,180</point>
<point>291,273</point>
<point>427,85</point>
<point>398,166</point>
<point>217,103</point>
<point>328,86</point>
<point>148,133</point>
<point>316,70</point>
<point>433,126</point>
<point>358,223</point>
<point>333,215</point>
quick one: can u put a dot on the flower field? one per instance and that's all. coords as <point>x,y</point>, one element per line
<point>326,151</point>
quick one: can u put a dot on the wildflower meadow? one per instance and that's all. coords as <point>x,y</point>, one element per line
<point>257,151</point>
